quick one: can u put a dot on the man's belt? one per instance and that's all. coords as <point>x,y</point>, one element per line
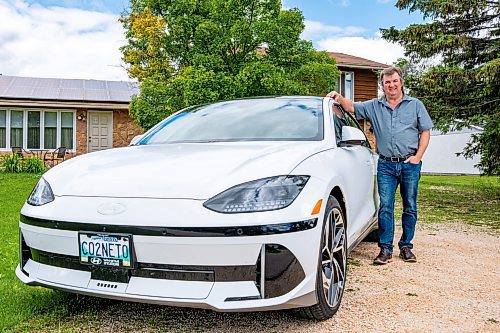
<point>396,159</point>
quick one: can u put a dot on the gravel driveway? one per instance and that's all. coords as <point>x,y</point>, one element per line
<point>454,287</point>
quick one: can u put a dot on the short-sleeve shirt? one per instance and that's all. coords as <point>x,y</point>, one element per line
<point>396,131</point>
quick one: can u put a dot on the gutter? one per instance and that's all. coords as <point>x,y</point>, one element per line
<point>64,104</point>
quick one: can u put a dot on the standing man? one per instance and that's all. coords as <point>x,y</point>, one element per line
<point>402,130</point>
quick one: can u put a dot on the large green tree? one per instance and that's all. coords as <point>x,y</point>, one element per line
<point>463,36</point>
<point>186,52</point>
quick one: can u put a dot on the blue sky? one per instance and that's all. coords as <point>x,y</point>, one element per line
<point>370,15</point>
<point>81,39</point>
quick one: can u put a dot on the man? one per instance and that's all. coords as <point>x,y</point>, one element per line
<point>402,130</point>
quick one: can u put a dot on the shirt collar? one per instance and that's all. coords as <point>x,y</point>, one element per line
<point>385,102</point>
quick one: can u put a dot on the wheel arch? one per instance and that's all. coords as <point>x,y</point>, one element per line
<point>337,193</point>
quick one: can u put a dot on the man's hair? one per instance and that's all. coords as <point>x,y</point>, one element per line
<point>388,72</point>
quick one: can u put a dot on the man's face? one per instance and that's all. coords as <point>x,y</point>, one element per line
<point>392,85</point>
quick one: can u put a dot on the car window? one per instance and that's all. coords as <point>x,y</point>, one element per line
<point>265,119</point>
<point>339,121</point>
<point>342,118</point>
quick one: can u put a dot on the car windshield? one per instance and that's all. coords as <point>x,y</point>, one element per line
<point>266,119</point>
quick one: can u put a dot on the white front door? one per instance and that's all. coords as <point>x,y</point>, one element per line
<point>100,131</point>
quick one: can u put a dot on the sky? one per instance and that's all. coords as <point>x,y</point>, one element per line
<point>81,39</point>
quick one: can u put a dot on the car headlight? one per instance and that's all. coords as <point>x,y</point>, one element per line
<point>258,195</point>
<point>41,194</point>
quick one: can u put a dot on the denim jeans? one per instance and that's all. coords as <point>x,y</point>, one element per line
<point>389,176</point>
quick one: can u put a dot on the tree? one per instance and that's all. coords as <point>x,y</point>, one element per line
<point>186,52</point>
<point>465,35</point>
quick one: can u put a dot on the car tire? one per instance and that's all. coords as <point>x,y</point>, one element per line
<point>372,237</point>
<point>332,265</point>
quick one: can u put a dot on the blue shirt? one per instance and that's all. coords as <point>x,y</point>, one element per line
<point>396,131</point>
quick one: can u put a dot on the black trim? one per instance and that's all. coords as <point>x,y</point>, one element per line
<point>147,270</point>
<point>283,271</point>
<point>256,230</point>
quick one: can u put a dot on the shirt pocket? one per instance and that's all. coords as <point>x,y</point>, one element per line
<point>407,117</point>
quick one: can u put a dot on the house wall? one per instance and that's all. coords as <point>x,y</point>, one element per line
<point>124,129</point>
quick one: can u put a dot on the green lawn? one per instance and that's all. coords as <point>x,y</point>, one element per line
<point>470,199</point>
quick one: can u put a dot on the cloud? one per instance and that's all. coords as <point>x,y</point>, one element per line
<point>59,42</point>
<point>315,30</point>
<point>376,48</point>
<point>343,3</point>
<point>384,1</point>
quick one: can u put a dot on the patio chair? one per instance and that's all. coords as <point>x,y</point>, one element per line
<point>21,152</point>
<point>55,157</point>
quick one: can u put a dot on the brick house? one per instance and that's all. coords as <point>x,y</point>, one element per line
<point>41,114</point>
<point>358,81</point>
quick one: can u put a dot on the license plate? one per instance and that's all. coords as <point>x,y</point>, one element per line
<point>109,250</point>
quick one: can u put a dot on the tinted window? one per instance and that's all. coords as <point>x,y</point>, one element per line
<point>294,119</point>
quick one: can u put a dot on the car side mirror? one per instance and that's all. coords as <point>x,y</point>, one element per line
<point>135,140</point>
<point>352,136</point>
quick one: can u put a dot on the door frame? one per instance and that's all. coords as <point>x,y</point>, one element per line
<point>89,123</point>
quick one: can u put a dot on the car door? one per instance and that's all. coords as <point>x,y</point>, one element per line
<point>360,163</point>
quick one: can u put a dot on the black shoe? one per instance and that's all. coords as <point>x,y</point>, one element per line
<point>407,255</point>
<point>383,257</point>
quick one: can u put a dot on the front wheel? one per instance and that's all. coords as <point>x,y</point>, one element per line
<point>332,264</point>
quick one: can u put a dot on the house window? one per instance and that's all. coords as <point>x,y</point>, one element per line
<point>67,129</point>
<point>16,128</point>
<point>31,129</point>
<point>346,85</point>
<point>50,130</point>
<point>3,129</point>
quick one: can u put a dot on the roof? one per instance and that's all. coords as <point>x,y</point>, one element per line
<point>346,60</point>
<point>15,87</point>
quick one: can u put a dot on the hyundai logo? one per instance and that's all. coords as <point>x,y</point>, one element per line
<point>111,208</point>
<point>96,261</point>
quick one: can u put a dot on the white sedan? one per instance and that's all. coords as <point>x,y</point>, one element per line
<point>241,205</point>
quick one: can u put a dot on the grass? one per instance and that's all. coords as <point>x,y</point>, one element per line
<point>17,302</point>
<point>473,200</point>
<point>470,199</point>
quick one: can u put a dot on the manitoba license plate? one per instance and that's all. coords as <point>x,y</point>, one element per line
<point>111,250</point>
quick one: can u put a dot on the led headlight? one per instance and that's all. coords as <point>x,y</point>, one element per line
<point>41,194</point>
<point>258,195</point>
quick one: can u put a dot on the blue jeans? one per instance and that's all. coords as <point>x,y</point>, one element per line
<point>390,175</point>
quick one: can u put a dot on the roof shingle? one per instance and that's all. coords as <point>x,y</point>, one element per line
<point>346,60</point>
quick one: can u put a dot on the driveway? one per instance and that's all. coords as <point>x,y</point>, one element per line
<point>454,287</point>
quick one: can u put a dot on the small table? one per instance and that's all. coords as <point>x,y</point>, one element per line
<point>40,153</point>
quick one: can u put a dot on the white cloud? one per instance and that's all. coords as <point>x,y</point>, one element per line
<point>384,1</point>
<point>317,30</point>
<point>376,49</point>
<point>59,42</point>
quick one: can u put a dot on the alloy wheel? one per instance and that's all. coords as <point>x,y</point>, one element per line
<point>334,260</point>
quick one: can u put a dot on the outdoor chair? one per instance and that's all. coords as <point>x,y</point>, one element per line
<point>55,157</point>
<point>21,152</point>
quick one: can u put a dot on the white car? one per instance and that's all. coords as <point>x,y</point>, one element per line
<point>242,205</point>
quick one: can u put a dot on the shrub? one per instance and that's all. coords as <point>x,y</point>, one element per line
<point>34,165</point>
<point>12,163</point>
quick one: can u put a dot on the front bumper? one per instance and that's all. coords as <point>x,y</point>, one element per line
<point>235,272</point>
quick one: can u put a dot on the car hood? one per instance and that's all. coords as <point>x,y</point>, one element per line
<point>183,170</point>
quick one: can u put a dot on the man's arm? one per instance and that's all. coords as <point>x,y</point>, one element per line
<point>346,103</point>
<point>425,137</point>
